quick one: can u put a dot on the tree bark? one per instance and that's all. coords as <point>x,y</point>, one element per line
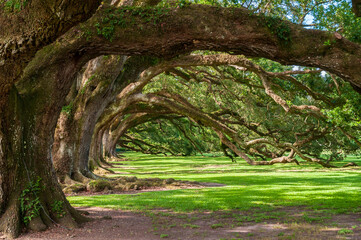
<point>75,128</point>
<point>96,146</point>
<point>101,81</point>
<point>29,136</point>
<point>34,26</point>
<point>197,27</point>
<point>27,132</point>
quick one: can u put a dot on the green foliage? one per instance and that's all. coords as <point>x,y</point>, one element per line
<point>29,201</point>
<point>58,208</point>
<point>349,113</point>
<point>183,3</point>
<point>329,42</point>
<point>338,17</point>
<point>345,231</point>
<point>86,84</point>
<point>241,93</point>
<point>176,136</point>
<point>127,17</point>
<point>278,27</point>
<point>98,185</point>
<point>217,225</point>
<point>67,109</point>
<point>13,6</point>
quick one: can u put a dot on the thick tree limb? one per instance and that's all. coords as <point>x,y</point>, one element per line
<point>197,27</point>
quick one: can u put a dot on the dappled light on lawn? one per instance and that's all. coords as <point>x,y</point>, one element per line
<point>246,186</point>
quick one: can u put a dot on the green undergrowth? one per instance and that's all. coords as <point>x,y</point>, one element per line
<point>263,188</point>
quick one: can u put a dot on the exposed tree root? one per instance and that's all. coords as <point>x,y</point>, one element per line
<point>351,164</point>
<point>9,221</point>
<point>66,216</point>
<point>86,176</point>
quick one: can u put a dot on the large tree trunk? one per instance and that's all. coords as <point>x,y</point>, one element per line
<point>10,169</point>
<point>75,129</point>
<point>27,128</point>
<point>96,147</point>
<point>106,149</point>
<point>24,136</point>
<point>99,145</point>
<point>26,159</point>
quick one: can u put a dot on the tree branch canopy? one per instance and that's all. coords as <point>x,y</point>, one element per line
<point>199,27</point>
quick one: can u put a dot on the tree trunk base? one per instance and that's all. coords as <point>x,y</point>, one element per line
<point>10,220</point>
<point>85,176</point>
<point>66,216</point>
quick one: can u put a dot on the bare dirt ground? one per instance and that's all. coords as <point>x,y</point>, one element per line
<point>283,223</point>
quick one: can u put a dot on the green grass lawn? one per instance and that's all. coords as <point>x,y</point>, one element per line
<point>248,187</point>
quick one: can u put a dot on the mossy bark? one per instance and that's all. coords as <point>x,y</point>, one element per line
<point>75,128</point>
<point>28,158</point>
<point>99,147</point>
<point>27,128</point>
<point>24,136</point>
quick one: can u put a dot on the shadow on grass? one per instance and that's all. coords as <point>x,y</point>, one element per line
<point>247,187</point>
<point>266,193</point>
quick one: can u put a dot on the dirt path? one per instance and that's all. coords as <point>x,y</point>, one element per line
<point>162,224</point>
<point>108,224</point>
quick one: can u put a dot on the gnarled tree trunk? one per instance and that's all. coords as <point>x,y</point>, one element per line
<point>25,138</point>
<point>28,127</point>
<point>28,160</point>
<point>104,79</point>
<point>75,126</point>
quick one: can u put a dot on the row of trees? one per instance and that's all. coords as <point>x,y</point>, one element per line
<point>115,71</point>
<point>263,113</point>
<point>238,99</point>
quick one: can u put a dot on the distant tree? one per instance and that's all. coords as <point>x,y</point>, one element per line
<point>264,119</point>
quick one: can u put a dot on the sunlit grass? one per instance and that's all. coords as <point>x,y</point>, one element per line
<point>264,187</point>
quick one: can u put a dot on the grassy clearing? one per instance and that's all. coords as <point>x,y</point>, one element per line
<point>256,188</point>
